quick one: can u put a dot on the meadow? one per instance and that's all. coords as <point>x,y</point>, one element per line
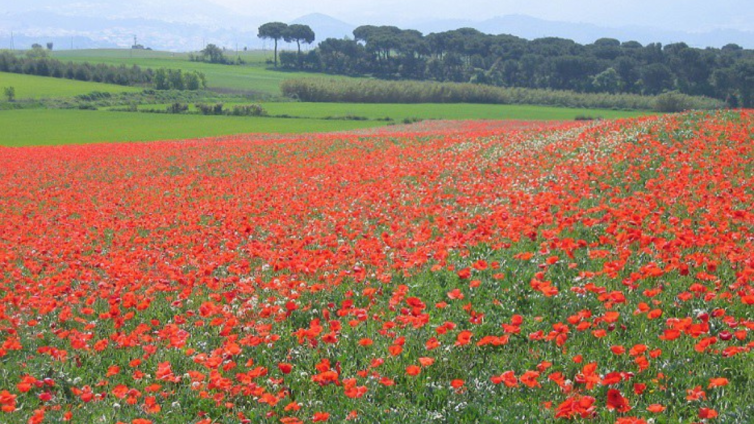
<point>252,77</point>
<point>467,272</point>
<point>45,106</point>
<point>35,87</point>
<point>36,127</point>
<point>460,111</point>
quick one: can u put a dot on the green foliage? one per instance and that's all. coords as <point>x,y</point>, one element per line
<point>236,110</point>
<point>606,66</point>
<point>41,65</point>
<point>308,61</point>
<point>300,34</point>
<point>205,109</point>
<point>194,81</point>
<point>37,62</point>
<point>587,118</point>
<point>10,93</point>
<point>247,110</point>
<point>743,75</point>
<point>607,81</point>
<point>275,31</point>
<point>36,52</point>
<point>161,81</point>
<point>254,78</point>
<point>177,108</point>
<point>95,96</point>
<point>176,79</point>
<point>35,87</point>
<point>214,53</point>
<point>375,91</point>
<point>671,102</point>
<point>411,120</point>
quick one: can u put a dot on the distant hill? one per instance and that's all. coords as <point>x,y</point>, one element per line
<point>164,25</point>
<point>200,12</point>
<point>189,25</point>
<point>531,28</point>
<point>326,26</point>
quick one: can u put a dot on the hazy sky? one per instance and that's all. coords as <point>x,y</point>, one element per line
<point>686,15</point>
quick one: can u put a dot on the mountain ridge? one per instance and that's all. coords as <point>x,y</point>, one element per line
<point>201,21</point>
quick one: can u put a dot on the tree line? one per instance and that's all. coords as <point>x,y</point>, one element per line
<point>297,33</point>
<point>470,56</point>
<point>34,63</point>
<point>365,90</point>
<point>41,65</point>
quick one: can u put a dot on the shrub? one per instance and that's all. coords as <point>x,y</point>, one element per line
<point>10,93</point>
<point>205,109</point>
<point>587,118</point>
<point>348,117</point>
<point>378,91</point>
<point>178,107</point>
<point>248,110</point>
<point>673,101</point>
<point>94,96</point>
<point>42,65</point>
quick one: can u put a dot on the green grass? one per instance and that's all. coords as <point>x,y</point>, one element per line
<point>399,112</point>
<point>50,127</point>
<point>34,127</point>
<point>47,127</point>
<point>251,56</point>
<point>440,111</point>
<point>254,76</point>
<point>34,87</point>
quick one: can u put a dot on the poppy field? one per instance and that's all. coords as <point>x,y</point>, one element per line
<point>533,272</point>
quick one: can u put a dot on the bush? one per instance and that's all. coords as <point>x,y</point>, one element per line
<point>10,93</point>
<point>348,117</point>
<point>672,102</point>
<point>377,91</point>
<point>177,107</point>
<point>587,118</point>
<point>248,110</point>
<point>163,79</point>
<point>205,109</point>
<point>94,96</point>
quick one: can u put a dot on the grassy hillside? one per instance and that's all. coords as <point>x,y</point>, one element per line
<point>51,127</point>
<point>34,87</point>
<point>254,76</point>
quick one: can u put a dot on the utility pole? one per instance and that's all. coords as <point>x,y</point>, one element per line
<point>11,41</point>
